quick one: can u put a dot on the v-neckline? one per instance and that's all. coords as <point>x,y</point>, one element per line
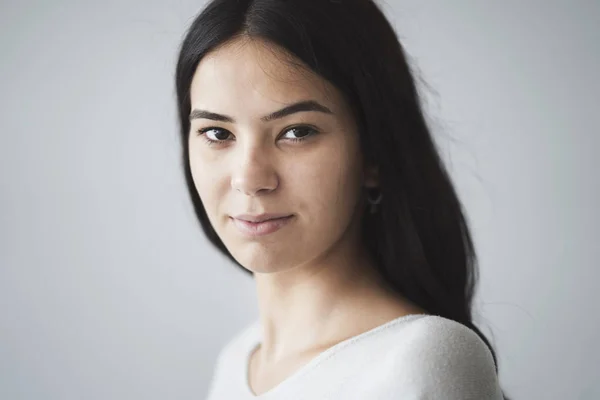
<point>256,338</point>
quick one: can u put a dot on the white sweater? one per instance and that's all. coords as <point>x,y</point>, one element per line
<point>417,356</point>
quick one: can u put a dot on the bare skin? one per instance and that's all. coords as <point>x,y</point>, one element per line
<point>316,284</point>
<point>264,376</point>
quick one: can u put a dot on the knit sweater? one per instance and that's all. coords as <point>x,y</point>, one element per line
<point>414,357</point>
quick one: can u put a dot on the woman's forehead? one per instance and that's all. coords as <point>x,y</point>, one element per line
<point>253,72</point>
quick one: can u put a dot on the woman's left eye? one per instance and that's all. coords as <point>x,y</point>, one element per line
<point>303,131</point>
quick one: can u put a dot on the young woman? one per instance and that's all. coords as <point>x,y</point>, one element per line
<point>311,167</point>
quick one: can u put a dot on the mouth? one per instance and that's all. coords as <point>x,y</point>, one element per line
<point>262,226</point>
<point>261,217</point>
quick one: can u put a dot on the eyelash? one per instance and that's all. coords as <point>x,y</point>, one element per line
<point>312,131</point>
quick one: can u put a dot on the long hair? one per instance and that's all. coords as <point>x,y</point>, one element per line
<point>419,238</point>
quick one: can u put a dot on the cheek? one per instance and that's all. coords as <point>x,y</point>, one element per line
<point>331,181</point>
<point>205,179</point>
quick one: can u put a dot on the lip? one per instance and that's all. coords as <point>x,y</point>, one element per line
<point>260,217</point>
<point>261,228</point>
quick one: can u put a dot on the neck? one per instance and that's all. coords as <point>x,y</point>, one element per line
<point>305,307</point>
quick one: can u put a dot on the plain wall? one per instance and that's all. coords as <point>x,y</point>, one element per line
<point>108,289</point>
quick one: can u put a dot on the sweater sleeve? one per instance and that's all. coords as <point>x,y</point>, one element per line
<point>445,360</point>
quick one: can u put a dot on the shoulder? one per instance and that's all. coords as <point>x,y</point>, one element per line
<point>434,335</point>
<point>443,358</point>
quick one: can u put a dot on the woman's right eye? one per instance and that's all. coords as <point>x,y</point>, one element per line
<point>214,135</point>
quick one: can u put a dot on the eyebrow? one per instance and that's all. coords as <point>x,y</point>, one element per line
<point>302,106</point>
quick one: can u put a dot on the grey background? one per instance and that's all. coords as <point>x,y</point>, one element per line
<point>108,289</point>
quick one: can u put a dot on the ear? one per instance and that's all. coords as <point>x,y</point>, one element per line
<point>371,176</point>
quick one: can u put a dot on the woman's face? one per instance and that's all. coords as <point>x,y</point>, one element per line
<point>251,154</point>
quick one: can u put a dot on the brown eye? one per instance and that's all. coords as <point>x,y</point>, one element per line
<point>300,132</point>
<point>215,134</point>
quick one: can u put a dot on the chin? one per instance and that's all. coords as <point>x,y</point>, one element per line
<point>262,260</point>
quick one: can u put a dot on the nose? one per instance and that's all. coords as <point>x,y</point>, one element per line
<point>254,173</point>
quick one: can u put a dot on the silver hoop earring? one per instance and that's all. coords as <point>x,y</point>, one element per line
<point>374,202</point>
